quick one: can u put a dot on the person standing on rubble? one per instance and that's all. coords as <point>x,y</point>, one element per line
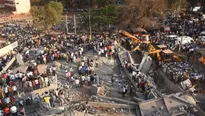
<point>131,90</point>
<point>54,70</point>
<point>126,88</point>
<point>119,86</point>
<point>81,82</point>
<point>112,79</point>
<point>61,97</point>
<point>123,91</point>
<point>96,63</point>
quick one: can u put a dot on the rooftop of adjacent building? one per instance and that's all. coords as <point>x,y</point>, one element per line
<point>174,104</point>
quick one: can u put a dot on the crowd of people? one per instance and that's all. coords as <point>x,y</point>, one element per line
<point>18,82</point>
<point>180,71</point>
<point>184,26</point>
<point>143,82</point>
<point>46,49</point>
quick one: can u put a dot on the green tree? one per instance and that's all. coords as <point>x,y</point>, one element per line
<point>102,16</point>
<point>45,16</point>
<point>177,5</point>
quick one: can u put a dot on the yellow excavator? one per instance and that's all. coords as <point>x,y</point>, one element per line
<point>151,49</point>
<point>135,40</point>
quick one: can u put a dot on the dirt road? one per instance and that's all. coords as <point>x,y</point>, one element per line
<point>16,17</point>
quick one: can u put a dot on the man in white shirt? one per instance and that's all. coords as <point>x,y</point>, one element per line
<point>6,90</point>
<point>82,63</point>
<point>30,73</point>
<point>80,52</point>
<point>14,88</point>
<point>88,78</point>
<point>54,70</point>
<point>16,76</point>
<point>77,81</point>
<point>99,52</point>
<point>81,49</point>
<point>133,73</point>
<point>13,110</point>
<point>71,69</point>
<point>12,77</point>
<point>20,75</point>
<point>74,59</point>
<point>84,58</point>
<point>123,91</point>
<point>102,51</point>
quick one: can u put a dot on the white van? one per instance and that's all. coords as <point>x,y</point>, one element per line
<point>183,40</point>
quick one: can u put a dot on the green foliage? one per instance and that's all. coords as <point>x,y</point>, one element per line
<point>45,16</point>
<point>102,16</point>
<point>177,4</point>
<point>76,3</point>
<point>57,6</point>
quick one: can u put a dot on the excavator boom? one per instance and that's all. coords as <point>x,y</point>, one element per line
<point>134,39</point>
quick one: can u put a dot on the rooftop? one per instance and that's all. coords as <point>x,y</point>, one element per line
<point>167,106</point>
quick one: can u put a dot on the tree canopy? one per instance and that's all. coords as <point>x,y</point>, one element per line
<point>141,13</point>
<point>176,5</point>
<point>77,3</point>
<point>102,16</point>
<point>45,16</point>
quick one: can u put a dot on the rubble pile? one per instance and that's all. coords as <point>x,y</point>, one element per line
<point>103,90</point>
<point>101,110</point>
<point>73,95</point>
<point>97,99</point>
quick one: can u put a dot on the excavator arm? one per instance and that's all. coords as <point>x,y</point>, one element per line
<point>136,48</point>
<point>151,49</point>
<point>134,39</point>
<point>177,58</point>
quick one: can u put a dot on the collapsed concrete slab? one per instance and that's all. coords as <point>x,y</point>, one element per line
<point>169,105</point>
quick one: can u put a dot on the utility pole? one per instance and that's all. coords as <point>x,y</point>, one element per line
<point>74,24</point>
<point>66,24</point>
<point>90,28</point>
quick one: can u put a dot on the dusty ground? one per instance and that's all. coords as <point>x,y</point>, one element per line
<point>16,17</point>
<point>27,16</point>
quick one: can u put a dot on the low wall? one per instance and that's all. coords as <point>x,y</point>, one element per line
<point>8,48</point>
<point>44,89</point>
<point>9,64</point>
